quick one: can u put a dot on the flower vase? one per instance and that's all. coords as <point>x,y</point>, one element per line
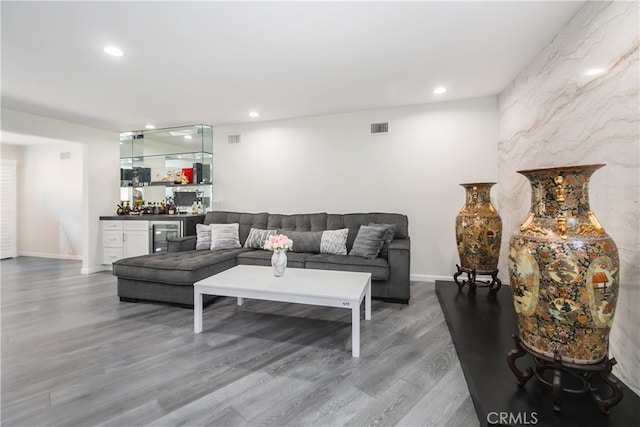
<point>279,262</point>
<point>563,269</point>
<point>478,230</point>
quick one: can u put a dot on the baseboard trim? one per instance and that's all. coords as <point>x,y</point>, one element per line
<point>428,278</point>
<point>91,270</point>
<point>53,256</point>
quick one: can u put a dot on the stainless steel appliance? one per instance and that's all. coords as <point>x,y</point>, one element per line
<point>161,232</point>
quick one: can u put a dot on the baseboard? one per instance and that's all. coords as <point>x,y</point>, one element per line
<point>54,256</point>
<point>428,278</point>
<point>98,269</point>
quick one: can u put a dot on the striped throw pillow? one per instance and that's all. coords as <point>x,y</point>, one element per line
<point>225,236</point>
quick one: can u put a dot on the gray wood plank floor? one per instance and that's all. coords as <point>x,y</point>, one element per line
<point>74,355</point>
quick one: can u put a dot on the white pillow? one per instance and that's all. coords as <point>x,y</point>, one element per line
<point>334,242</point>
<point>203,236</point>
<point>225,236</point>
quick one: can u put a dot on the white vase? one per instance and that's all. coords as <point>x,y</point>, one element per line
<point>279,262</point>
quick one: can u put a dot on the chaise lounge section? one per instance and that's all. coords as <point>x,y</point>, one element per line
<point>169,277</point>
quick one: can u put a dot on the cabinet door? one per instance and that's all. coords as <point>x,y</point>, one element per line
<point>112,239</point>
<point>111,255</point>
<point>136,243</point>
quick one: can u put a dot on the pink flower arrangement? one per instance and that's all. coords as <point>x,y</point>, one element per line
<point>278,242</point>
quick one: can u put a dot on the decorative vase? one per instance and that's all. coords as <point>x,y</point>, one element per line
<point>478,230</point>
<point>563,269</point>
<point>279,262</point>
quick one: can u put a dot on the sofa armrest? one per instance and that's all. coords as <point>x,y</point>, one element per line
<point>399,267</point>
<point>181,244</point>
<point>400,244</point>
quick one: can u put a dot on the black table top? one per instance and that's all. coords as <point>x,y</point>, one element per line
<point>482,329</point>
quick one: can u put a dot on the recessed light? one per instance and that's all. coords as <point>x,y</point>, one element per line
<point>113,51</point>
<point>188,137</point>
<point>149,126</point>
<point>254,114</point>
<point>440,90</point>
<point>594,71</point>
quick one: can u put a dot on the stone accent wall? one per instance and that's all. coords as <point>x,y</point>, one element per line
<point>556,113</point>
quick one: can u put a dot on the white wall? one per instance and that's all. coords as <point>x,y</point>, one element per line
<point>50,201</point>
<point>99,174</point>
<point>554,115</point>
<point>332,164</point>
<point>11,151</point>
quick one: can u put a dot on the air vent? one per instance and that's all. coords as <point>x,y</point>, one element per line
<point>233,139</point>
<point>377,128</point>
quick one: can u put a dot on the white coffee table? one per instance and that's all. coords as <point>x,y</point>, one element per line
<point>329,288</point>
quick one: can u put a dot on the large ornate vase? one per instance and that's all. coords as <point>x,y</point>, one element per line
<point>279,262</point>
<point>478,230</point>
<point>563,268</point>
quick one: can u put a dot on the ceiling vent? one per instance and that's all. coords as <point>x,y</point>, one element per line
<point>233,139</point>
<point>378,128</point>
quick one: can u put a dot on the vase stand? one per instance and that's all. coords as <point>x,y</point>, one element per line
<point>581,374</point>
<point>494,284</point>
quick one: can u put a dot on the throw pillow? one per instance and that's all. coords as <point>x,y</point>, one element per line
<point>257,237</point>
<point>225,236</point>
<point>334,242</point>
<point>203,236</point>
<point>388,237</point>
<point>369,241</point>
<point>304,241</point>
<point>390,233</point>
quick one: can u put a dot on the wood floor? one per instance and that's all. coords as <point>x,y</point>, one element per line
<point>74,355</point>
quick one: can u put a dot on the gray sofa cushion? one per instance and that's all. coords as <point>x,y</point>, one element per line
<point>388,238</point>
<point>378,267</point>
<point>369,241</point>
<point>310,222</point>
<point>178,268</point>
<point>294,259</point>
<point>304,241</point>
<point>354,221</point>
<point>389,233</point>
<point>299,222</point>
<point>179,244</point>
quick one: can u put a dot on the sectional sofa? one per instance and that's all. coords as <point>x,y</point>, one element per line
<point>168,277</point>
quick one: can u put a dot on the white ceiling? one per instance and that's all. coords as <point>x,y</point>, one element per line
<point>213,62</point>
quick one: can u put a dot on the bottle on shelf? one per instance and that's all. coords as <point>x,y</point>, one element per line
<point>171,209</point>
